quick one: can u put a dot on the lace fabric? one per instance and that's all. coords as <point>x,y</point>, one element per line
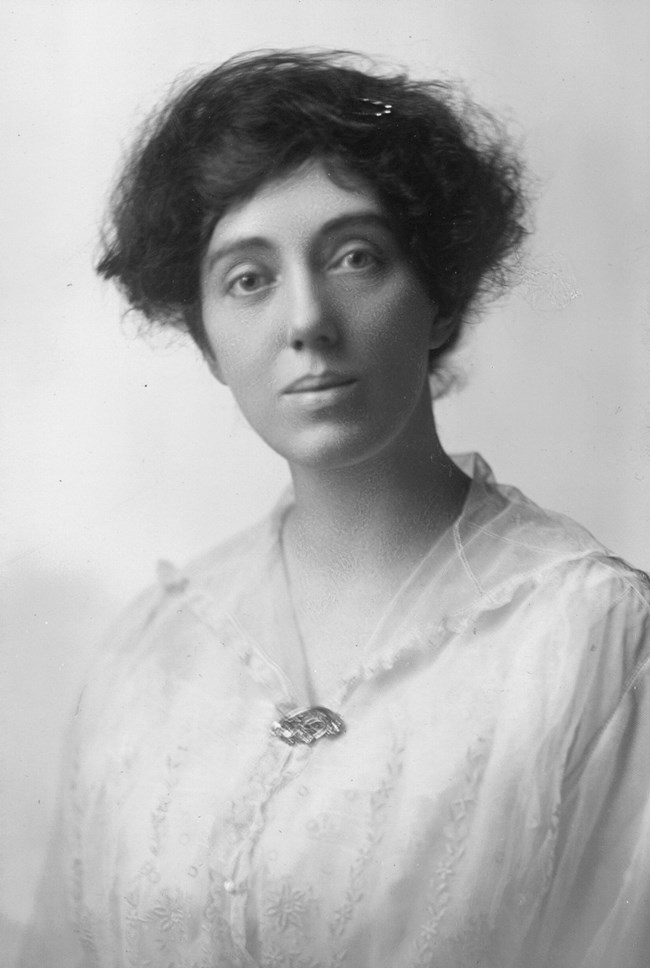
<point>486,806</point>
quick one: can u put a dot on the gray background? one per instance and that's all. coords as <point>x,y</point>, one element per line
<point>117,451</point>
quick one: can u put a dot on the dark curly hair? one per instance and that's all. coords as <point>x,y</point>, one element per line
<point>442,168</point>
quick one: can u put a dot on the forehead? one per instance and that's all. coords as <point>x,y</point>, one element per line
<point>296,207</point>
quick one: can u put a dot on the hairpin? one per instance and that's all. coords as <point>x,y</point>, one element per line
<point>370,108</point>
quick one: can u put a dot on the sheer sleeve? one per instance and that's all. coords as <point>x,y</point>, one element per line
<point>50,938</point>
<point>597,914</point>
<point>54,936</point>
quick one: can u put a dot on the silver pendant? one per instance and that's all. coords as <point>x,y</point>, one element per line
<point>308,725</point>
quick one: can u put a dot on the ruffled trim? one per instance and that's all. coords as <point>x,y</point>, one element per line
<point>474,569</point>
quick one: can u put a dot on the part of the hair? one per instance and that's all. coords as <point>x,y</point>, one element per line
<point>442,167</point>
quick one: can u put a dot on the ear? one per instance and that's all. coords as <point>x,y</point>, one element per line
<point>442,328</point>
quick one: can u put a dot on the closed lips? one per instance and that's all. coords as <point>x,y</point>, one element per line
<point>326,381</point>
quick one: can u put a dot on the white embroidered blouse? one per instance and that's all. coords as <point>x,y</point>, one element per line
<point>487,806</point>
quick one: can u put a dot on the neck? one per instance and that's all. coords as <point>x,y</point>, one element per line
<point>389,509</point>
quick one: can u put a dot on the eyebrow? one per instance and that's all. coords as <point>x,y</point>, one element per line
<point>347,221</point>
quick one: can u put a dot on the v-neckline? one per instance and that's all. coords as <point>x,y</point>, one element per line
<point>395,618</point>
<point>436,587</point>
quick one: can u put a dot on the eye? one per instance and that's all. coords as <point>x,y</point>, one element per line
<point>247,283</point>
<point>357,259</point>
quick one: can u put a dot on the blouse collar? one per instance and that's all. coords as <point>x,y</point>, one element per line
<point>500,541</point>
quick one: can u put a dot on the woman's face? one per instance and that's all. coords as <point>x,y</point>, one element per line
<point>317,322</point>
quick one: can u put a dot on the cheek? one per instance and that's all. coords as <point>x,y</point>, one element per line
<point>228,350</point>
<point>247,376</point>
<point>403,334</point>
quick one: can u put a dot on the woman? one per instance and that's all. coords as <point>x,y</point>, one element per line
<point>399,723</point>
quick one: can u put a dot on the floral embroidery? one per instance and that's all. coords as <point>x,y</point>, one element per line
<point>169,916</point>
<point>284,956</point>
<point>290,912</point>
<point>324,826</point>
<point>149,885</point>
<point>375,825</point>
<point>169,929</point>
<point>159,817</point>
<point>455,833</point>
<point>288,908</point>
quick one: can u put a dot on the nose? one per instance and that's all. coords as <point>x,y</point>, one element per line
<point>310,315</point>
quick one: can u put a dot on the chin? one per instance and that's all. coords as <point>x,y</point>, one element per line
<point>331,450</point>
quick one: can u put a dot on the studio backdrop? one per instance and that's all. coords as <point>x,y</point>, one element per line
<point>118,450</point>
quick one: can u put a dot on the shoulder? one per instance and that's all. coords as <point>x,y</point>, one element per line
<point>564,596</point>
<point>145,639</point>
<point>507,539</point>
<point>570,614</point>
<point>218,570</point>
<point>225,564</point>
